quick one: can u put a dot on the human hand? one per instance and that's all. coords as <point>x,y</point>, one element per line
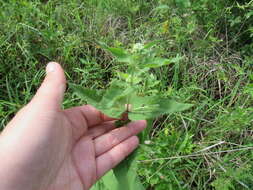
<point>47,148</point>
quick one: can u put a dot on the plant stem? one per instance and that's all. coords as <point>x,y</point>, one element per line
<point>131,85</point>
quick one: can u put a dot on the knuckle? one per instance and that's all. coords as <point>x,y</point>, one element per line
<point>112,139</point>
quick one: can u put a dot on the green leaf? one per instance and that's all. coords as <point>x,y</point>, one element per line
<point>120,54</point>
<point>99,186</point>
<point>159,62</point>
<point>92,97</point>
<point>156,62</point>
<point>126,174</point>
<point>161,7</point>
<point>110,182</point>
<point>151,44</point>
<point>115,99</point>
<point>124,76</point>
<point>183,3</point>
<point>154,106</point>
<point>130,79</point>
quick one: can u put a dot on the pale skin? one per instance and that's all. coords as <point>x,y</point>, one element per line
<point>47,148</point>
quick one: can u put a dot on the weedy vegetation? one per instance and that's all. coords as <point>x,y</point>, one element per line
<point>146,59</point>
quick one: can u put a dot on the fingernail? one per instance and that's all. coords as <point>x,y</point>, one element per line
<point>135,140</point>
<point>51,67</point>
<point>141,124</point>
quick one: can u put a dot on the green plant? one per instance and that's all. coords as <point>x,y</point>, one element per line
<point>127,94</point>
<point>128,98</point>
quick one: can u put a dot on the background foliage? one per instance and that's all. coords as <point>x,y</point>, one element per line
<point>207,147</point>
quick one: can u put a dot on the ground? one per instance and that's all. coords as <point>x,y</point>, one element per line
<point>206,147</point>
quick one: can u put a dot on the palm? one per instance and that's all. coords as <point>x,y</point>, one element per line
<point>61,149</point>
<point>95,147</point>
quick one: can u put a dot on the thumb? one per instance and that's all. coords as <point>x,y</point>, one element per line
<point>51,92</point>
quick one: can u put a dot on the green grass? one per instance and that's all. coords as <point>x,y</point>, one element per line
<point>207,147</point>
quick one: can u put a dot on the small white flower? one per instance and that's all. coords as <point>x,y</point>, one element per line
<point>147,142</point>
<point>137,47</point>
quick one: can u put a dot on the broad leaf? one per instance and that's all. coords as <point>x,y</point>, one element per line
<point>159,62</point>
<point>115,99</point>
<point>126,174</point>
<point>161,7</point>
<point>151,44</point>
<point>120,54</point>
<point>130,79</point>
<point>110,182</point>
<point>154,106</point>
<point>121,93</point>
<point>92,97</point>
<point>123,177</point>
<point>99,186</point>
<point>156,62</point>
